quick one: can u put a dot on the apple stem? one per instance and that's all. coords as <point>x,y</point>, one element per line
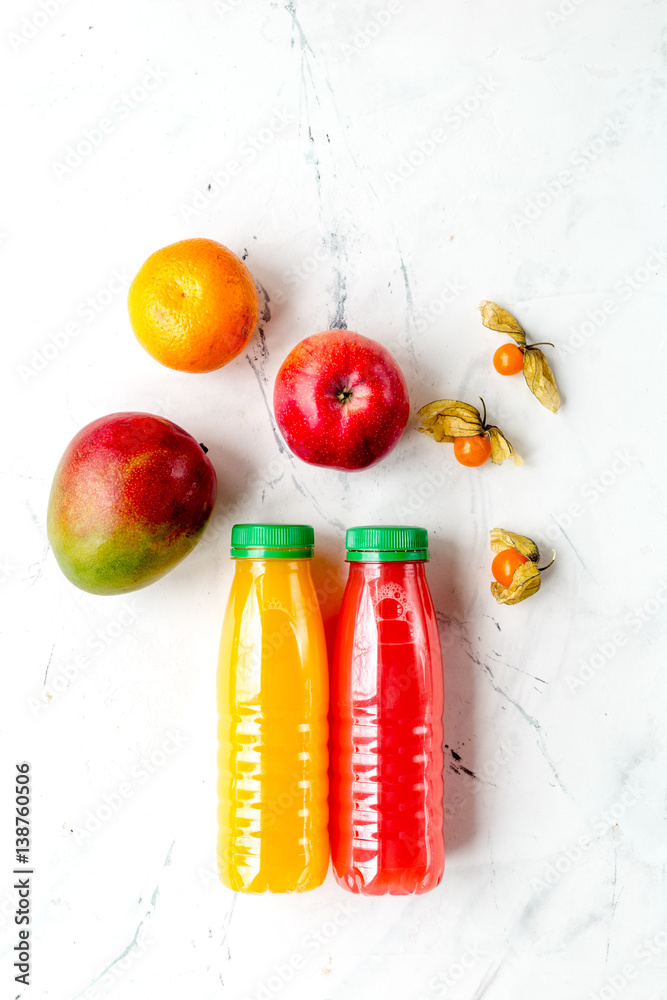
<point>203,448</point>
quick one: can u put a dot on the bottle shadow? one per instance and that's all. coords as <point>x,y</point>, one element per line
<point>329,573</point>
<point>446,568</point>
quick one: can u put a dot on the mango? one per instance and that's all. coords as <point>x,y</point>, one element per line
<point>130,498</point>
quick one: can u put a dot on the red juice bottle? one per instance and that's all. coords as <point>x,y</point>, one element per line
<point>386,823</point>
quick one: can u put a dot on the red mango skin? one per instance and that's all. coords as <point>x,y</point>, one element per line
<point>130,498</point>
<point>317,426</point>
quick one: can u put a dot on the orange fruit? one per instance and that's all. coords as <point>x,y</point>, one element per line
<point>505,565</point>
<point>508,360</point>
<point>193,305</point>
<point>472,451</point>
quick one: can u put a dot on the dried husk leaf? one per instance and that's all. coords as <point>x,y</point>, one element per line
<point>462,426</point>
<point>502,539</point>
<point>440,406</point>
<point>432,411</point>
<point>436,431</point>
<point>447,419</point>
<point>501,448</point>
<point>496,318</point>
<point>539,378</point>
<point>525,582</point>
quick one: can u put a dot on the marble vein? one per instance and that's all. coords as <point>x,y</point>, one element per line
<point>135,938</point>
<point>260,382</point>
<point>532,721</point>
<point>49,663</point>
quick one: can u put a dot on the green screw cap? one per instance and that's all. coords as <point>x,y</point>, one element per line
<point>386,543</point>
<point>272,541</point>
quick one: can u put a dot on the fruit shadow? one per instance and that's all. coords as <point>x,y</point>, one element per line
<point>446,567</point>
<point>272,299</point>
<point>329,574</point>
<point>241,479</point>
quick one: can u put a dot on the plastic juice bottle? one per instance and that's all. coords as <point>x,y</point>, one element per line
<point>386,713</point>
<point>273,692</point>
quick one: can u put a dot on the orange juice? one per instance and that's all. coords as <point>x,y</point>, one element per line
<point>272,717</point>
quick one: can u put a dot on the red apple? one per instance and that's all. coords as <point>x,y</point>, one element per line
<point>340,400</point>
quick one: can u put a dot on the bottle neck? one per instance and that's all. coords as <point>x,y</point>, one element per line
<point>372,570</point>
<point>272,565</point>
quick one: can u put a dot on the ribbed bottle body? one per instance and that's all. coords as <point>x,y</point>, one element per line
<point>386,743</point>
<point>272,731</point>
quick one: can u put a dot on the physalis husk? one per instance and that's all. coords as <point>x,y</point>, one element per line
<point>527,576</point>
<point>448,419</point>
<point>536,371</point>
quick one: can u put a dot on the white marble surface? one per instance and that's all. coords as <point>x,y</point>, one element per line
<point>398,162</point>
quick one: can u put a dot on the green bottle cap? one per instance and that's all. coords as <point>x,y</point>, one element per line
<point>272,541</point>
<point>386,543</point>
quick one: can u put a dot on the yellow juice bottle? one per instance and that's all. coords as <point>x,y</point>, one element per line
<point>273,696</point>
